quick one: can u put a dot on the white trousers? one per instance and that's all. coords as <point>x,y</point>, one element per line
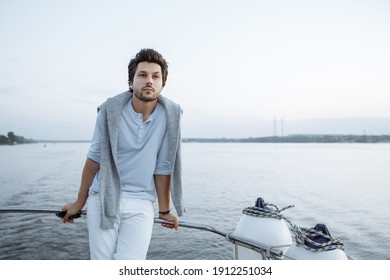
<point>129,239</point>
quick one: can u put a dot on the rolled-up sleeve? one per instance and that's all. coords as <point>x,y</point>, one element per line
<point>94,150</point>
<point>163,165</point>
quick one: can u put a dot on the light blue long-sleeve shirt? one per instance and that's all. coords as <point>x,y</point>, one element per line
<point>142,152</point>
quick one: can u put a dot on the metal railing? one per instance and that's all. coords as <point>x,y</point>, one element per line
<point>267,252</point>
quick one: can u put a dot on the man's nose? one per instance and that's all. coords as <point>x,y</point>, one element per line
<point>149,80</point>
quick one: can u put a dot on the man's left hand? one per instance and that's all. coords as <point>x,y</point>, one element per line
<point>170,217</point>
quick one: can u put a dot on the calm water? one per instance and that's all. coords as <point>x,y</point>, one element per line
<point>345,186</point>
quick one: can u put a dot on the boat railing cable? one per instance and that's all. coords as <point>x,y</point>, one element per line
<point>269,252</point>
<point>32,210</point>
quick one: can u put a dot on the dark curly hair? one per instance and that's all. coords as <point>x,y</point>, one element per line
<point>148,55</point>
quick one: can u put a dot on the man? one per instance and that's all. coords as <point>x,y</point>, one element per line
<point>134,158</point>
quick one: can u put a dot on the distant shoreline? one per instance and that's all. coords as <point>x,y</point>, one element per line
<point>296,138</point>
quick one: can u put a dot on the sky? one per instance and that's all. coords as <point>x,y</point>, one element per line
<point>238,68</point>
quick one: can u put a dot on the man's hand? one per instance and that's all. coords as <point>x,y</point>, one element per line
<point>71,209</point>
<point>170,218</point>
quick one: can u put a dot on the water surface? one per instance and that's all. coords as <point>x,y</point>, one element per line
<point>345,186</point>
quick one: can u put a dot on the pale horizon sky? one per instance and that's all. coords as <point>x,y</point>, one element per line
<point>234,66</point>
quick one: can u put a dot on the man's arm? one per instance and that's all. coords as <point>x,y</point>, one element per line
<point>90,169</point>
<point>163,188</point>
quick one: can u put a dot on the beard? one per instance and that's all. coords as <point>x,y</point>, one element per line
<point>142,95</point>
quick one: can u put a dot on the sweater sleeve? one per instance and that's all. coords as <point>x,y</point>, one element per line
<point>94,150</point>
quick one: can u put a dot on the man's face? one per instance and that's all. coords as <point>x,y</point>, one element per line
<point>147,82</point>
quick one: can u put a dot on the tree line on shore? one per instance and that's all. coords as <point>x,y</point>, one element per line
<point>12,139</point>
<point>298,138</point>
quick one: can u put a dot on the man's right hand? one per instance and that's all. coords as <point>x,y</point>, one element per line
<point>71,209</point>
